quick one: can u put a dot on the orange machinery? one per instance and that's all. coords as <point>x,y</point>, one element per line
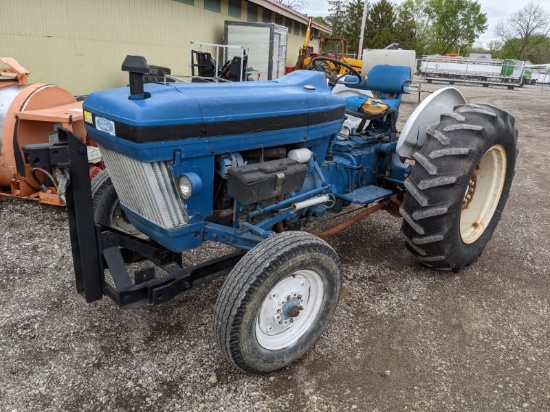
<point>30,113</point>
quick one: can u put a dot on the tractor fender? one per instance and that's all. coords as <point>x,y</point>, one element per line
<point>413,135</point>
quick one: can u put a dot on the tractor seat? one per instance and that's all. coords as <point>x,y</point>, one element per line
<point>370,108</point>
<point>388,83</point>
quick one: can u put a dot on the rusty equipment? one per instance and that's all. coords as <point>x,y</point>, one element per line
<point>30,113</point>
<point>336,48</point>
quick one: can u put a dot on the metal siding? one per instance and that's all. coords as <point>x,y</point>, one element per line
<point>295,43</point>
<point>80,44</point>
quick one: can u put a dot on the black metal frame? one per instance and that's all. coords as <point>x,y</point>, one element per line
<point>96,248</point>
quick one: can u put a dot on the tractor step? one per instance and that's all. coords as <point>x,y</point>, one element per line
<point>366,194</point>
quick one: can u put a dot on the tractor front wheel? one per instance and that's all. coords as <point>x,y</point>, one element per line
<point>277,301</point>
<point>106,205</point>
<point>459,185</point>
<point>107,212</point>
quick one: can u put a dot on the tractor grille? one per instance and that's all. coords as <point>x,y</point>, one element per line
<point>146,189</point>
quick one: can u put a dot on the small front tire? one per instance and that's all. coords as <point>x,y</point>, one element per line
<point>277,301</point>
<point>106,205</point>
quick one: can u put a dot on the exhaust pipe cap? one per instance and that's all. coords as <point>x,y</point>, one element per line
<point>137,67</point>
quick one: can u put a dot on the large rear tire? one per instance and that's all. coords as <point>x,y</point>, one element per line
<point>277,301</point>
<point>320,67</point>
<point>459,185</point>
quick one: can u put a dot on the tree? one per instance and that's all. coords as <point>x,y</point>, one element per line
<point>380,30</point>
<point>422,25</point>
<point>525,31</point>
<point>337,17</point>
<point>352,27</point>
<point>495,45</point>
<point>293,4</point>
<point>443,26</point>
<point>385,24</point>
<point>455,23</point>
<point>427,26</point>
<point>537,51</point>
<point>405,28</point>
<point>321,19</point>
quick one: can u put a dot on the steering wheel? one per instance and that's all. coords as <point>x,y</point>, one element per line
<point>333,80</point>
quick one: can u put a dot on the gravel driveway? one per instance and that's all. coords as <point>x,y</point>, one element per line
<point>404,337</point>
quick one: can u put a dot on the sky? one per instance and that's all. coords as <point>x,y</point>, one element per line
<point>495,10</point>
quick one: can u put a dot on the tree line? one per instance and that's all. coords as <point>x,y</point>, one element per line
<point>441,27</point>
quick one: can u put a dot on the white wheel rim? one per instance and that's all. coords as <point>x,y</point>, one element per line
<point>483,194</point>
<point>290,310</point>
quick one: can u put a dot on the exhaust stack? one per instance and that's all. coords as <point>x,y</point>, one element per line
<point>137,67</point>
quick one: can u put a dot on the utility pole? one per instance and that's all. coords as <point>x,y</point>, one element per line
<point>363,22</point>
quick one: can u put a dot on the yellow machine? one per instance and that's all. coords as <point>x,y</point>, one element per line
<point>337,48</point>
<point>333,47</point>
<point>305,50</point>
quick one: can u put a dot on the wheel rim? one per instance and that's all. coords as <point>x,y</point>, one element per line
<point>289,310</point>
<point>483,194</point>
<point>119,221</point>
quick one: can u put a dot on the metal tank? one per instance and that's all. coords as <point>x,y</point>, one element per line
<point>29,114</point>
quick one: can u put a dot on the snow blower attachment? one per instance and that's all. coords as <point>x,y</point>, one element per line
<point>31,113</point>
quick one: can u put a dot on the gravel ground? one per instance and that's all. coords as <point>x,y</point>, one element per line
<point>404,337</point>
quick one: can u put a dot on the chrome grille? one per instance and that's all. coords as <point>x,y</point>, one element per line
<point>146,189</point>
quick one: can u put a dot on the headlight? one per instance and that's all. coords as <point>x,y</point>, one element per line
<point>189,184</point>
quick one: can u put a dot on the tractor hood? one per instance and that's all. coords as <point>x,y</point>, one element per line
<point>173,112</point>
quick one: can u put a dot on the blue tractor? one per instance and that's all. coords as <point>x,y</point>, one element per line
<point>247,165</point>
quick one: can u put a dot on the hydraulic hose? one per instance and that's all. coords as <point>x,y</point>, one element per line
<point>45,173</point>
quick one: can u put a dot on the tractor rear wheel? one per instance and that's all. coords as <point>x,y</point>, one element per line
<point>459,185</point>
<point>277,301</point>
<point>320,66</point>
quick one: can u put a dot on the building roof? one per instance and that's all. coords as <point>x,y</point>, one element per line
<point>291,13</point>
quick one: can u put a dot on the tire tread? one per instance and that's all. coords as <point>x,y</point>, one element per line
<point>435,189</point>
<point>240,286</point>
